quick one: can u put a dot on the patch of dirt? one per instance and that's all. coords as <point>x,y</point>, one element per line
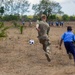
<point>18,57</point>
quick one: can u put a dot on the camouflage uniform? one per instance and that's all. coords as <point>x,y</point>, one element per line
<point>43,34</point>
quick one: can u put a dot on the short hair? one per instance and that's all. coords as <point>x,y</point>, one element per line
<point>69,28</point>
<point>43,16</point>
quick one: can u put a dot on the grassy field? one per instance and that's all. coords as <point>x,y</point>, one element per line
<point>18,57</point>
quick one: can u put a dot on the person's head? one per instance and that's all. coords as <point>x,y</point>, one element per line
<point>43,17</point>
<point>69,28</point>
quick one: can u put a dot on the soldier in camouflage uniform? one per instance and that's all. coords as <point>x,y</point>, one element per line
<point>43,29</point>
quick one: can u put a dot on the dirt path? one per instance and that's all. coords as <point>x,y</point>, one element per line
<point>17,57</point>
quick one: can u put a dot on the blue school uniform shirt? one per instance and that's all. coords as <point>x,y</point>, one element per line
<point>68,36</point>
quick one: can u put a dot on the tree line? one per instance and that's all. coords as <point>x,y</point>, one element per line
<point>16,9</point>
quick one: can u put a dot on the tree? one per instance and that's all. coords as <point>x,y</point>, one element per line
<point>65,17</point>
<point>21,6</point>
<point>2,10</point>
<point>12,7</point>
<point>47,7</point>
<point>52,17</point>
<point>72,18</point>
<point>24,6</point>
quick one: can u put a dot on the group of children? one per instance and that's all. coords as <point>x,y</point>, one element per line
<point>57,23</point>
<point>67,37</point>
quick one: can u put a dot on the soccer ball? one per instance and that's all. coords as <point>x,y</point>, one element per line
<point>31,42</point>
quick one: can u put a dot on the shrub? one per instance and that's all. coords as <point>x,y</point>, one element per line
<point>3,29</point>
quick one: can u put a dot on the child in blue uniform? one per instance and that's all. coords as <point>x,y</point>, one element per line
<point>68,38</point>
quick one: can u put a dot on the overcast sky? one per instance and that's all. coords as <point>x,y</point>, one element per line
<point>68,6</point>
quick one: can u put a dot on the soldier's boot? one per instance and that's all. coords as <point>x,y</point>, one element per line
<point>47,56</point>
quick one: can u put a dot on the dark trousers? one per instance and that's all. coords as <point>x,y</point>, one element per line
<point>70,48</point>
